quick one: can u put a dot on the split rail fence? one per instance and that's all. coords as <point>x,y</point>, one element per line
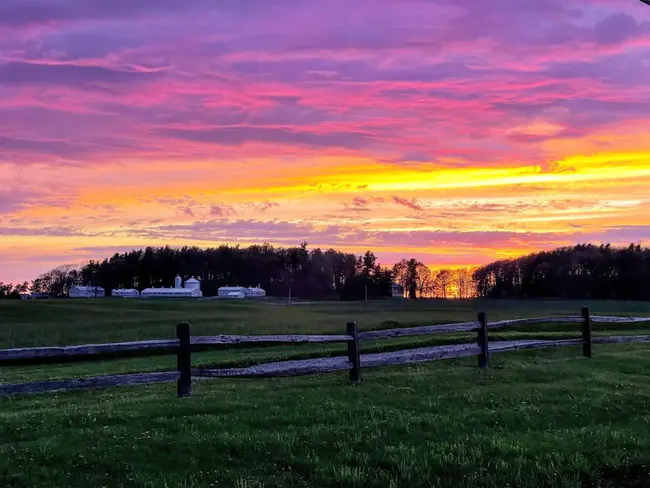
<point>354,361</point>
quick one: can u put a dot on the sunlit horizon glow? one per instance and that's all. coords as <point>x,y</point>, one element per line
<point>453,131</point>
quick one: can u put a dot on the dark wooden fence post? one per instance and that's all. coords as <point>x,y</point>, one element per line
<point>184,360</point>
<point>484,355</point>
<point>586,332</point>
<point>353,352</point>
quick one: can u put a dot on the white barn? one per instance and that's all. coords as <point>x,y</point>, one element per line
<point>254,292</point>
<point>126,293</point>
<point>86,292</point>
<point>171,293</point>
<point>191,289</point>
<point>225,290</point>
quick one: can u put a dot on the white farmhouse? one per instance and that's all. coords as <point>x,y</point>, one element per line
<point>126,293</point>
<point>86,292</point>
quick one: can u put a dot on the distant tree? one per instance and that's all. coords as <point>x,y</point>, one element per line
<point>424,280</point>
<point>57,282</point>
<point>5,289</point>
<point>443,282</point>
<point>464,284</point>
<point>414,276</point>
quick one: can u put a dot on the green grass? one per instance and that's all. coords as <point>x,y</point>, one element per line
<point>535,418</point>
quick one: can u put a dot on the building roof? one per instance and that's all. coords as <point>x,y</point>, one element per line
<point>232,288</point>
<point>170,291</point>
<point>124,290</point>
<point>192,280</point>
<point>87,288</point>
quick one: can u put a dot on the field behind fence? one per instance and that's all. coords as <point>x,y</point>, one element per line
<point>354,361</point>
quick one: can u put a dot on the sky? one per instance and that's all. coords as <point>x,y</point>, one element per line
<point>454,131</point>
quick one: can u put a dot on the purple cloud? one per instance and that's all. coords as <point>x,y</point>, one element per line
<point>617,28</point>
<point>221,210</point>
<point>66,74</point>
<point>241,135</point>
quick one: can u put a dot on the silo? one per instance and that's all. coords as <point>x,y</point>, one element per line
<point>178,282</point>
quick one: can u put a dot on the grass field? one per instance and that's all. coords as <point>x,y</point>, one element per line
<point>536,418</point>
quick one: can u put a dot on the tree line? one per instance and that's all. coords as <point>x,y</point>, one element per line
<point>298,271</point>
<point>582,271</point>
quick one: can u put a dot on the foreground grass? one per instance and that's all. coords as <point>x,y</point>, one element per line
<point>537,418</point>
<point>533,419</point>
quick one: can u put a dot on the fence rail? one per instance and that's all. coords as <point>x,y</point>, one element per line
<point>88,350</point>
<point>354,362</point>
<point>268,339</point>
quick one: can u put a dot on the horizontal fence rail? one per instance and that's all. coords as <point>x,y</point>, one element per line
<point>601,319</point>
<point>354,362</point>
<point>268,339</point>
<point>465,327</point>
<point>66,352</point>
<point>535,321</point>
<point>422,330</point>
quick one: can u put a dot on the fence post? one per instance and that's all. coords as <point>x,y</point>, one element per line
<point>586,332</point>
<point>184,360</point>
<point>484,355</point>
<point>353,352</point>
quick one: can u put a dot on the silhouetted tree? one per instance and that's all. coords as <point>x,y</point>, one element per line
<point>582,271</point>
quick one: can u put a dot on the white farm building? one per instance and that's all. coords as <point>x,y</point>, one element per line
<point>236,295</point>
<point>126,293</point>
<point>254,291</point>
<point>225,290</point>
<point>86,292</point>
<point>191,289</point>
<point>171,293</point>
<point>231,291</point>
<point>397,290</point>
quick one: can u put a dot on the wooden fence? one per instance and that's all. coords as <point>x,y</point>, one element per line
<point>354,361</point>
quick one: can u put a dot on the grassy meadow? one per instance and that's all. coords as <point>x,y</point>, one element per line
<point>534,418</point>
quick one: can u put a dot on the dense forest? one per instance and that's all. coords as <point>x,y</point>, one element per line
<point>303,272</point>
<point>583,271</point>
<point>307,273</point>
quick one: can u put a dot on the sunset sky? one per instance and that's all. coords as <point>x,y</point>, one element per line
<point>454,131</point>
